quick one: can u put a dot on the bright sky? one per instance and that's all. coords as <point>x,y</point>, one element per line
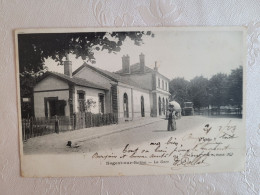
<point>179,54</point>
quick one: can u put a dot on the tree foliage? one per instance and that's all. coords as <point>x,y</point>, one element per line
<point>35,48</point>
<point>198,91</point>
<point>178,88</point>
<point>219,90</point>
<point>235,86</point>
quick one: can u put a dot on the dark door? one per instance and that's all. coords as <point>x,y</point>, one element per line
<point>126,112</point>
<point>142,106</point>
<point>53,107</point>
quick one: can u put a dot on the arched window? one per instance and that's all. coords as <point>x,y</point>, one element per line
<point>125,106</point>
<point>142,106</point>
<point>160,106</point>
<point>159,84</point>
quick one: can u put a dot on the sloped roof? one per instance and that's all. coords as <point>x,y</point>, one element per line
<point>74,80</point>
<point>113,76</point>
<point>135,68</point>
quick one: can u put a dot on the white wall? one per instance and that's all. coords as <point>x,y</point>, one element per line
<point>50,83</point>
<point>161,95</point>
<point>39,109</point>
<point>134,102</point>
<point>93,76</point>
<point>145,80</point>
<point>137,94</point>
<point>162,92</point>
<point>120,96</point>
<point>89,94</point>
<point>160,87</point>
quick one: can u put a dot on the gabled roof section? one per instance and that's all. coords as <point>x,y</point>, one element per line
<point>135,69</point>
<point>105,73</point>
<point>73,80</point>
<point>110,75</point>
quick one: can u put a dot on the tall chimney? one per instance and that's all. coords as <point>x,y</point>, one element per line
<point>155,66</point>
<point>68,66</point>
<point>126,64</point>
<point>142,63</point>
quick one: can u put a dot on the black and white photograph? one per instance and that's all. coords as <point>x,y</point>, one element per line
<point>136,101</point>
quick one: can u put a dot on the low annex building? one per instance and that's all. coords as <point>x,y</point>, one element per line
<point>133,92</point>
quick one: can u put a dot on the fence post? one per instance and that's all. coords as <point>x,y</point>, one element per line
<point>84,120</point>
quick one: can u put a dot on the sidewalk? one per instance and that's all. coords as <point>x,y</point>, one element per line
<point>42,143</point>
<point>96,132</point>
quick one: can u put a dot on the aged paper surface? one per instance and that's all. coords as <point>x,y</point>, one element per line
<point>175,108</point>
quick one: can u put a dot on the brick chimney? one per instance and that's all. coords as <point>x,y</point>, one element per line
<point>126,64</point>
<point>142,62</point>
<point>68,66</point>
<point>155,66</point>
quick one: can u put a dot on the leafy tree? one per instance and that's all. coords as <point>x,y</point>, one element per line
<point>27,81</point>
<point>217,90</point>
<point>235,87</point>
<point>178,88</point>
<point>35,48</point>
<point>198,91</point>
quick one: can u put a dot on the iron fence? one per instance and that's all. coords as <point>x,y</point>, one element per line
<point>33,127</point>
<point>87,119</point>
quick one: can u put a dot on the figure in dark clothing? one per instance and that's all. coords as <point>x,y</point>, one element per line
<point>170,127</point>
<point>171,120</point>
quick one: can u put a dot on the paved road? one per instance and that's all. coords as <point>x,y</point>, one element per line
<point>135,136</point>
<point>138,135</point>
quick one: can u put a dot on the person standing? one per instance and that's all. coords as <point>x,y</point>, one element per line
<point>170,127</point>
<point>174,119</point>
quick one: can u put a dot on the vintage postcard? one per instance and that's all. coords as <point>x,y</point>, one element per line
<point>131,101</point>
